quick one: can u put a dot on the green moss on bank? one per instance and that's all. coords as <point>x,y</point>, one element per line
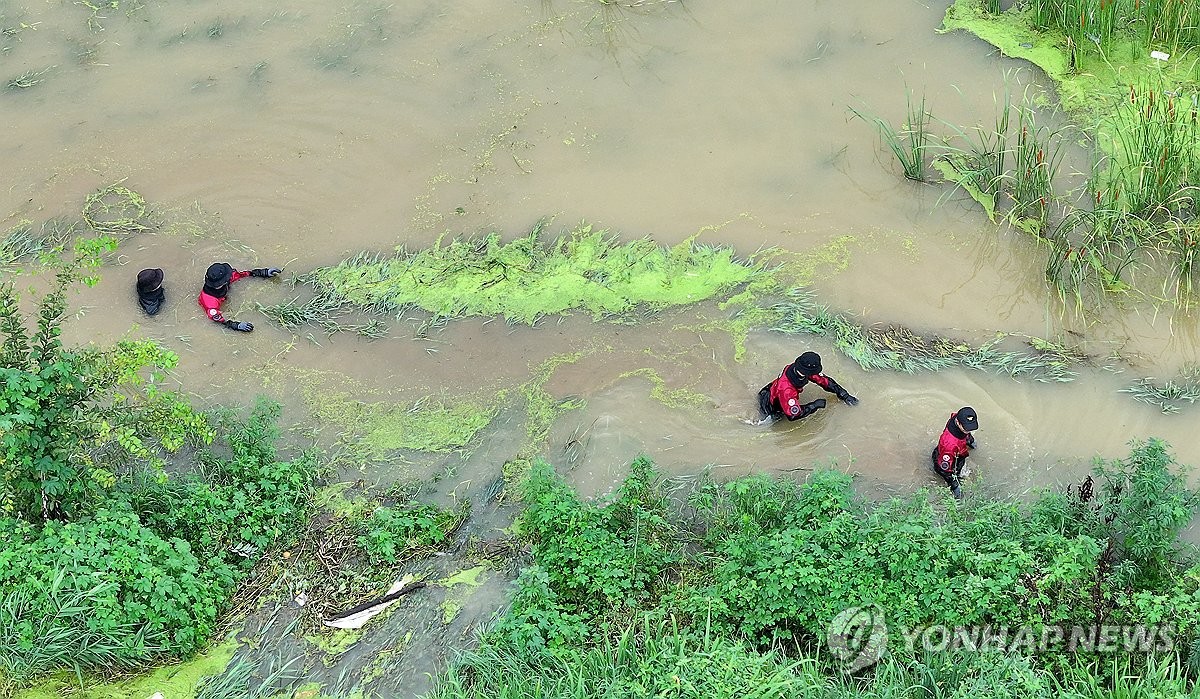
<point>1091,86</point>
<point>172,681</point>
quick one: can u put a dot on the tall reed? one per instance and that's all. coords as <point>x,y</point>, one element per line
<point>911,142</point>
<point>1038,155</point>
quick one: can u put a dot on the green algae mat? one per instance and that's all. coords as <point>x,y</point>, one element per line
<point>526,279</point>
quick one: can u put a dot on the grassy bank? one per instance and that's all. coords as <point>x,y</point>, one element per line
<point>738,591</point>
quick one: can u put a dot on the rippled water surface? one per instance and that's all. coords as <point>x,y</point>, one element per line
<point>302,133</point>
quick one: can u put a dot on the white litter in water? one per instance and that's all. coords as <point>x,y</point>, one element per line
<point>1160,55</point>
<point>355,621</point>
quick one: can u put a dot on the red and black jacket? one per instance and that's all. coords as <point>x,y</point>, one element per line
<point>953,448</point>
<point>782,396</point>
<point>212,298</point>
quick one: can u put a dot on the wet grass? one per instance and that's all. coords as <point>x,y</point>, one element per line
<point>1172,395</point>
<point>897,348</point>
<point>25,241</point>
<point>241,681</point>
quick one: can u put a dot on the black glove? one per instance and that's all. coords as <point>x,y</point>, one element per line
<point>810,408</point>
<point>265,272</point>
<point>239,326</point>
<point>846,398</point>
<point>971,441</point>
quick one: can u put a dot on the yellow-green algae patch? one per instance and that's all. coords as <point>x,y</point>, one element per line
<point>455,600</point>
<point>786,270</point>
<point>382,427</point>
<point>526,278</point>
<point>1091,86</point>
<point>172,681</point>
<point>670,397</point>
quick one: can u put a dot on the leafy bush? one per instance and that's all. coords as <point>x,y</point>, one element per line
<point>536,621</point>
<point>142,593</point>
<point>600,557</point>
<point>71,420</point>
<point>1148,502</point>
<point>390,533</point>
<point>151,569</point>
<point>242,500</point>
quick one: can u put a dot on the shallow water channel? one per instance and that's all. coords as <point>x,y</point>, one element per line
<point>299,134</point>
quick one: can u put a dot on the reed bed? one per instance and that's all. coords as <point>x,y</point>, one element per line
<point>1098,25</point>
<point>1134,229</point>
<point>911,142</point>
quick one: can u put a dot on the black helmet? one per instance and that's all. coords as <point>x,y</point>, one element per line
<point>148,280</point>
<point>218,274</point>
<point>808,363</point>
<point>967,418</point>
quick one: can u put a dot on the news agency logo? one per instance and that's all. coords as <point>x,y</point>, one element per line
<point>858,637</point>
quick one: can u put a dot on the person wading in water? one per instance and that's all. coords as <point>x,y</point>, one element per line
<point>781,397</point>
<point>216,285</point>
<point>149,290</point>
<point>954,446</point>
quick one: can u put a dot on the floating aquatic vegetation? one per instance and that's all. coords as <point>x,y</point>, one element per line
<point>116,210</point>
<point>24,240</point>
<point>375,431</point>
<point>524,280</point>
<point>670,397</point>
<point>1173,394</point>
<point>900,349</point>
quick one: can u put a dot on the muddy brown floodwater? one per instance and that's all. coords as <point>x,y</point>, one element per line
<point>301,133</point>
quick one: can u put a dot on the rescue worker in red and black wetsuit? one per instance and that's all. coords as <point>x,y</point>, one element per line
<point>954,447</point>
<point>781,397</point>
<point>216,285</point>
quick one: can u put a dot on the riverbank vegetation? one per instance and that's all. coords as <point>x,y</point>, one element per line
<point>731,591</point>
<point>127,518</point>
<point>1127,76</point>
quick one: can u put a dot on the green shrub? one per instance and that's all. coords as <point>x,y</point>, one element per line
<point>1148,502</point>
<point>140,593</point>
<point>536,620</point>
<point>600,557</point>
<point>391,533</point>
<point>73,421</point>
<point>243,500</point>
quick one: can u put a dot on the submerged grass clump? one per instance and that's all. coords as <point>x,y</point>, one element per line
<point>25,241</point>
<point>1172,395</point>
<point>374,431</point>
<point>526,279</point>
<point>116,210</point>
<point>900,349</point>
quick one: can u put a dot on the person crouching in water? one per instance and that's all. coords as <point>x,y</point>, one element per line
<point>216,285</point>
<point>149,290</point>
<point>955,445</point>
<point>781,397</point>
